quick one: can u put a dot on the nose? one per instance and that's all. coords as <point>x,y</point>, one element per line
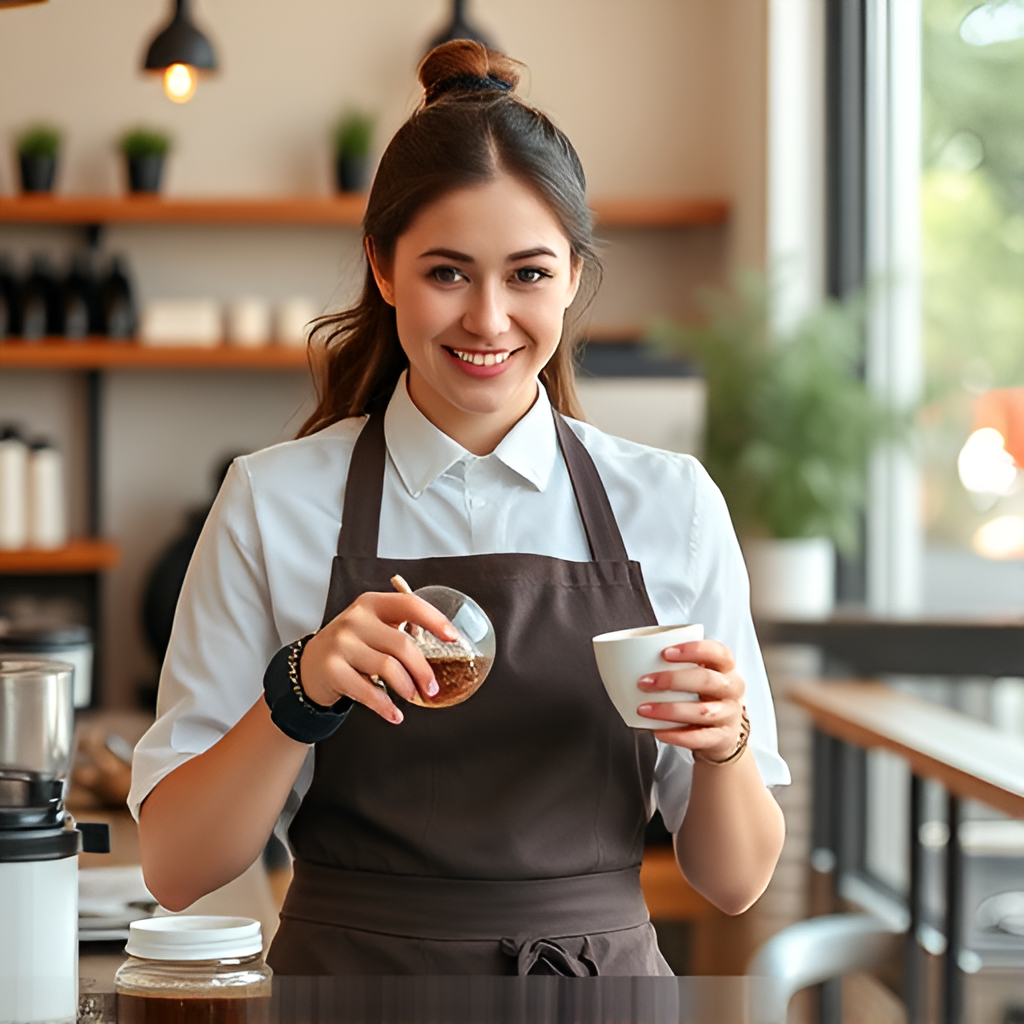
<point>487,315</point>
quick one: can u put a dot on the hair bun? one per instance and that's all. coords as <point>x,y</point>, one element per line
<point>466,64</point>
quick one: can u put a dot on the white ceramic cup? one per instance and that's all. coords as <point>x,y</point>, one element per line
<point>627,654</point>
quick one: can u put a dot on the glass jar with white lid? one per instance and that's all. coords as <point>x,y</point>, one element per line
<point>194,969</point>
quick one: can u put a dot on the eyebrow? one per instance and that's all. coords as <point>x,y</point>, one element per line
<point>461,257</point>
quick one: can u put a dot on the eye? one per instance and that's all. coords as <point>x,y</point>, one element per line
<point>447,275</point>
<point>531,275</point>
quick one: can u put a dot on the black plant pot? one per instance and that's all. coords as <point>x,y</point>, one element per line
<point>351,173</point>
<point>37,173</point>
<point>144,173</point>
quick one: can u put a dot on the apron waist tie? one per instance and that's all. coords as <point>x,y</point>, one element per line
<point>526,916</point>
<point>545,956</point>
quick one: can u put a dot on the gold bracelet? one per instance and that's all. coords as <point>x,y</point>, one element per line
<point>741,743</point>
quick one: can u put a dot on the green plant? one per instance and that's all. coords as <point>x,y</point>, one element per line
<point>790,421</point>
<point>142,142</point>
<point>353,134</point>
<point>39,140</point>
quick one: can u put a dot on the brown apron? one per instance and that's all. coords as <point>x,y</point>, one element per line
<point>503,835</point>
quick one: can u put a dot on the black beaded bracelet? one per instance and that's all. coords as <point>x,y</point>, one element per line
<point>291,710</point>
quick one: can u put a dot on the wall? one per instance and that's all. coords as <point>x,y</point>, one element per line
<point>661,97</point>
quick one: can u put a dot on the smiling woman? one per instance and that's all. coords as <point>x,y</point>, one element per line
<point>449,178</point>
<point>503,835</point>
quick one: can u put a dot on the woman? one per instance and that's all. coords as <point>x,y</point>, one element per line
<point>503,835</point>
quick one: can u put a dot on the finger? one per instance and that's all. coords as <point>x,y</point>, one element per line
<point>709,653</point>
<point>376,698</point>
<point>706,682</point>
<point>397,608</point>
<point>699,714</point>
<point>695,738</point>
<point>392,655</point>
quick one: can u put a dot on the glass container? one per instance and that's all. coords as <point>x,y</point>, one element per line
<point>36,728</point>
<point>461,666</point>
<point>194,970</point>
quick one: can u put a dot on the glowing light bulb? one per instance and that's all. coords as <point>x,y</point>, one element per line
<point>180,83</point>
<point>984,464</point>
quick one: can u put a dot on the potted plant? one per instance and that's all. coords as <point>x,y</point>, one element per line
<point>145,150</point>
<point>790,426</point>
<point>352,138</point>
<point>38,147</point>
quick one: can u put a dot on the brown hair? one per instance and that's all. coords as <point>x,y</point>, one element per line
<point>469,127</point>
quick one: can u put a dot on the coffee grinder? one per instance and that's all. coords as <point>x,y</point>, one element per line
<point>39,844</point>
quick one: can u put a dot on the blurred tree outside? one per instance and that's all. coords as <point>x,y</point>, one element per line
<point>972,194</point>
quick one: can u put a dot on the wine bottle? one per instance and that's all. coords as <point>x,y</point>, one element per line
<point>10,312</point>
<point>118,302</point>
<point>42,312</point>
<point>80,298</point>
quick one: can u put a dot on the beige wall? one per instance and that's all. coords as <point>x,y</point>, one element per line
<point>661,97</point>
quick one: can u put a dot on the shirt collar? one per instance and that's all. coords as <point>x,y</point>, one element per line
<point>421,452</point>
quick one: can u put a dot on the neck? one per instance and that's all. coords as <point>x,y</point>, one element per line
<point>479,433</point>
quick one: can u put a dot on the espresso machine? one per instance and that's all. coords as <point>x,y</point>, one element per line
<point>39,844</point>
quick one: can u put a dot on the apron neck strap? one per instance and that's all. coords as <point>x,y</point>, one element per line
<point>364,490</point>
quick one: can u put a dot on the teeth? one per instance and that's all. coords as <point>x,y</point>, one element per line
<point>481,359</point>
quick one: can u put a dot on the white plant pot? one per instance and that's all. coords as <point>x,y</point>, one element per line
<point>791,579</point>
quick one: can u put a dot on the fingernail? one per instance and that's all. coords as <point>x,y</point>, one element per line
<point>396,717</point>
<point>645,707</point>
<point>432,688</point>
<point>646,681</point>
<point>451,635</point>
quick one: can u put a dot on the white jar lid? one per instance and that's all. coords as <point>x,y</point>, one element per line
<point>194,937</point>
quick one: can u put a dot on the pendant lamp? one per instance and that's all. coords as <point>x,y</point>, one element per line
<point>458,28</point>
<point>180,52</point>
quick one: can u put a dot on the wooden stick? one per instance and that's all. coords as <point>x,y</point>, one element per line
<point>400,585</point>
<point>403,588</point>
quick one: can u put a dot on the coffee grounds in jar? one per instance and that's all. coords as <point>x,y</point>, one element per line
<point>195,1010</point>
<point>457,679</point>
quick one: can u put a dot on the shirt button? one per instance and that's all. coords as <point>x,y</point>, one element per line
<point>477,502</point>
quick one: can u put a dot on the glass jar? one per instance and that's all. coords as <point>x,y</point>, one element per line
<point>194,970</point>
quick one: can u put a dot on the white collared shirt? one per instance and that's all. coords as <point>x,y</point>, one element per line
<point>258,579</point>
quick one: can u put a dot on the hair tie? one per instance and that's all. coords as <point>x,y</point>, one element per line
<point>471,83</point>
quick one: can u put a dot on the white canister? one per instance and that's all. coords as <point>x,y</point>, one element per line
<point>47,505</point>
<point>248,322</point>
<point>39,940</point>
<point>13,489</point>
<point>293,321</point>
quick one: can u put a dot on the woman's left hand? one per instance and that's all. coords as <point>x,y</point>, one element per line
<point>712,723</point>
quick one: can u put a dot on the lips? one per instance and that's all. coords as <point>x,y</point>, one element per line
<point>480,358</point>
<point>480,363</point>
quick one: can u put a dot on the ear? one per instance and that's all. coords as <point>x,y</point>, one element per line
<point>381,272</point>
<point>575,276</point>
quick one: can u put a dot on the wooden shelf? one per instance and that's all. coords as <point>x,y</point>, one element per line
<point>80,556</point>
<point>99,354</point>
<point>336,210</point>
<point>659,213</point>
<point>339,210</point>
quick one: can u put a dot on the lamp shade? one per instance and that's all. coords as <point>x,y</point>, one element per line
<point>181,43</point>
<point>458,28</point>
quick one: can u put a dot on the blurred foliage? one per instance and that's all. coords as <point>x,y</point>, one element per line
<point>790,422</point>
<point>973,243</point>
<point>142,142</point>
<point>39,140</point>
<point>353,134</point>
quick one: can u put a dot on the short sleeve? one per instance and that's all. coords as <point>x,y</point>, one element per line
<point>722,603</point>
<point>223,637</point>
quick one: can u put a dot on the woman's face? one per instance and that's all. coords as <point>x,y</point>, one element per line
<point>480,282</point>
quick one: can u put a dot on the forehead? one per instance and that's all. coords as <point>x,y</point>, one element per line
<point>501,214</point>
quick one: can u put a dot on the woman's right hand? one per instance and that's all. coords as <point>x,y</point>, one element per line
<point>365,640</point>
